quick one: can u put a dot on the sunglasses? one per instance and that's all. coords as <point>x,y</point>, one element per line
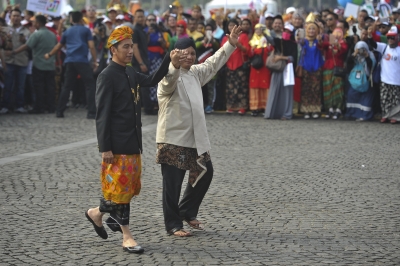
<point>179,26</point>
<point>391,37</point>
<point>151,19</point>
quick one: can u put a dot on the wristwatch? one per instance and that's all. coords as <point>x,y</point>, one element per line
<point>141,64</point>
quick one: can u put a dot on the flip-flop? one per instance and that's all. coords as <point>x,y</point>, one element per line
<point>99,230</point>
<point>173,231</point>
<point>197,226</point>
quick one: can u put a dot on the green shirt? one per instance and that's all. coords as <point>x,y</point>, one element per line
<point>41,42</point>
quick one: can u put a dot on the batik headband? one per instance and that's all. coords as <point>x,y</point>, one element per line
<point>119,34</point>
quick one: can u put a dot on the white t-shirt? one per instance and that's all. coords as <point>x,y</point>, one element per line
<point>390,64</point>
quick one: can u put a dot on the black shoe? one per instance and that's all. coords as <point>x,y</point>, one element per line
<point>99,230</point>
<point>254,113</point>
<point>91,116</point>
<point>113,225</point>
<point>59,114</point>
<point>136,249</point>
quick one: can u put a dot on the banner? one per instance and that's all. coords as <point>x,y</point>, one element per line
<point>49,7</point>
<point>351,10</point>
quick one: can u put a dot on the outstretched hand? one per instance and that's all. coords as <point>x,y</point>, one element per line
<point>177,56</point>
<point>234,36</point>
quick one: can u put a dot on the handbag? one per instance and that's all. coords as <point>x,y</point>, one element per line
<point>257,60</point>
<point>277,66</point>
<point>246,64</point>
<point>338,71</point>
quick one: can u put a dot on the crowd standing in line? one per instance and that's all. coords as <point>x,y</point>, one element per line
<point>315,65</point>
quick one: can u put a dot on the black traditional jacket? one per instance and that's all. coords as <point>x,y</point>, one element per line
<point>118,117</point>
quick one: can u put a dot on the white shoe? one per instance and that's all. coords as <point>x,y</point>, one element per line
<point>21,110</point>
<point>306,116</point>
<point>315,116</point>
<point>4,111</point>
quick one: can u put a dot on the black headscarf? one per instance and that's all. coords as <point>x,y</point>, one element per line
<point>185,43</point>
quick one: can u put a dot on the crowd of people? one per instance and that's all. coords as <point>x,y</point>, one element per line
<point>318,64</point>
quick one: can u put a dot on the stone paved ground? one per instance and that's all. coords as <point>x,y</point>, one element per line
<point>284,193</point>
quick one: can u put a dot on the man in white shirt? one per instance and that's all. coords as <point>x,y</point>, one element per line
<point>362,15</point>
<point>390,67</point>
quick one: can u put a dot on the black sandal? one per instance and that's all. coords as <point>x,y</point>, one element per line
<point>174,230</point>
<point>99,230</point>
<point>198,226</point>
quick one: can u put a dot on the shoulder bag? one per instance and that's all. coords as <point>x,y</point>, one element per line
<point>277,66</point>
<point>257,61</point>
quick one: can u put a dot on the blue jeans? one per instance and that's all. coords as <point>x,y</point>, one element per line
<point>14,78</point>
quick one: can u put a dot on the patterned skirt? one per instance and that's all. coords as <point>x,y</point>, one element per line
<point>120,182</point>
<point>311,92</point>
<point>237,89</point>
<point>390,101</point>
<point>333,90</point>
<point>183,158</point>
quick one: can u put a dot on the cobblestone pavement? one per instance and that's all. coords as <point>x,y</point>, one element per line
<point>284,193</point>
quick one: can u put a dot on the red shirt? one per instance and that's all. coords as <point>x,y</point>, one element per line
<point>260,78</point>
<point>238,57</point>
<point>331,59</point>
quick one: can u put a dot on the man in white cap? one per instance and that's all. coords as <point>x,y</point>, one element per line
<point>390,82</point>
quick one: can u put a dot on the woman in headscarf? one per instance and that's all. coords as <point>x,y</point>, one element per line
<point>237,76</point>
<point>280,97</point>
<point>260,78</point>
<point>180,33</point>
<point>359,104</point>
<point>333,87</point>
<point>311,61</point>
<point>182,138</point>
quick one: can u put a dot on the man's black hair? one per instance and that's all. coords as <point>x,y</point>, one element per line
<point>76,16</point>
<point>16,10</point>
<point>41,20</point>
<point>139,11</point>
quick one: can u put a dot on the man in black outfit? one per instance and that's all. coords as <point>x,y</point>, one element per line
<point>119,134</point>
<point>140,61</point>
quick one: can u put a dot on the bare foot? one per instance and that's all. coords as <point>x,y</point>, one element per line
<point>195,224</point>
<point>182,233</point>
<point>96,216</point>
<point>129,242</point>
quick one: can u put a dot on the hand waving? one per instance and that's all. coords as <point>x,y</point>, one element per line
<point>234,36</point>
<point>177,56</point>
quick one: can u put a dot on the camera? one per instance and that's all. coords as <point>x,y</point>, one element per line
<point>354,30</point>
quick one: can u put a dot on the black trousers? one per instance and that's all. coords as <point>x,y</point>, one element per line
<point>44,84</point>
<point>72,70</point>
<point>188,207</point>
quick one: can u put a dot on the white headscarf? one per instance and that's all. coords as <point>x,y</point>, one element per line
<point>361,59</point>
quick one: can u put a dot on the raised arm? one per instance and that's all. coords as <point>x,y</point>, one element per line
<point>210,67</point>
<point>168,83</point>
<point>153,79</point>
